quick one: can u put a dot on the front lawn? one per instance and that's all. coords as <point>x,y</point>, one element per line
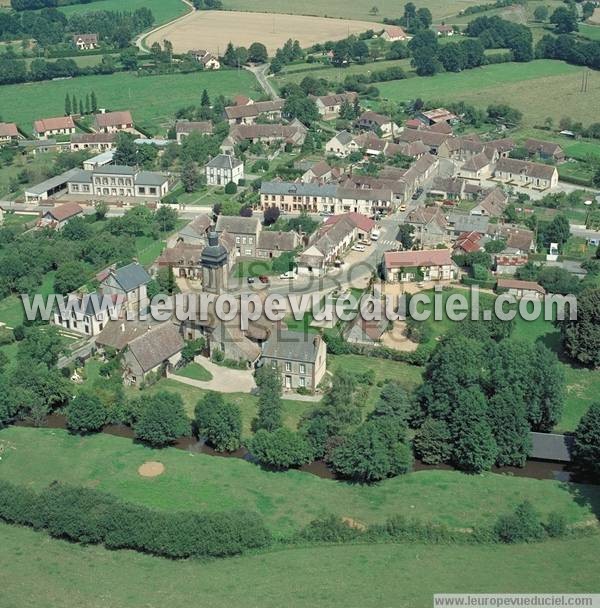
<point>195,371</point>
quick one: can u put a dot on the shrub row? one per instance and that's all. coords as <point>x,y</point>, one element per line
<point>524,524</point>
<point>88,516</point>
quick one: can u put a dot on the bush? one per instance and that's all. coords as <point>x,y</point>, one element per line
<point>523,525</point>
<point>280,448</point>
<point>86,414</point>
<point>88,516</point>
<point>231,188</point>
<point>329,529</point>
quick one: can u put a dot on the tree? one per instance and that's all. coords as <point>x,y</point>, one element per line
<point>86,413</point>
<point>507,417</point>
<point>162,420</point>
<point>301,107</point>
<point>230,188</point>
<point>393,401</point>
<point>271,215</point>
<point>41,345</point>
<point>257,53</point>
<point>220,422</point>
<point>191,349</point>
<point>558,280</point>
<point>581,336</point>
<point>205,99</point>
<point>586,448</point>
<point>69,276</point>
<point>432,442</point>
<point>374,451</point>
<point>230,57</point>
<point>94,102</point>
<point>125,150</point>
<point>68,108</point>
<point>281,448</point>
<point>166,218</point>
<point>88,107</point>
<point>474,446</point>
<point>77,229</point>
<point>270,409</point>
<point>541,13</point>
<point>557,231</point>
<point>405,235</point>
<point>565,20</point>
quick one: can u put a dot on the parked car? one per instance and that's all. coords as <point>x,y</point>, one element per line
<point>290,275</point>
<point>402,207</point>
<point>375,235</point>
<point>250,280</point>
<point>263,278</point>
<point>365,243</point>
<point>358,247</point>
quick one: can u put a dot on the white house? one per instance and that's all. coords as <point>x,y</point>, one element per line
<point>223,169</point>
<point>342,144</point>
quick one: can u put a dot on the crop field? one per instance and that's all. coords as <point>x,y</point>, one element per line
<point>214,29</point>
<point>163,10</point>
<point>589,31</point>
<point>344,9</point>
<point>287,500</point>
<point>145,96</point>
<point>369,576</point>
<point>517,84</point>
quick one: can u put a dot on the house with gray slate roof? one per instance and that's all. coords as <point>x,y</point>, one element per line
<point>156,351</point>
<point>243,230</point>
<point>129,282</point>
<point>223,169</point>
<point>301,358</point>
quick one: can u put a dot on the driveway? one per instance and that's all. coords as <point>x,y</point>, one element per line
<point>224,380</point>
<point>261,73</point>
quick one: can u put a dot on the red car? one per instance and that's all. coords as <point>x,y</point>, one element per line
<point>263,278</point>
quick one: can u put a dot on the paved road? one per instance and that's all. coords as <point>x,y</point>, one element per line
<point>261,74</point>
<point>139,41</point>
<point>224,380</point>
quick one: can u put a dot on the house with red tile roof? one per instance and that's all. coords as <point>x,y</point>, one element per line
<point>426,265</point>
<point>111,122</point>
<point>395,34</point>
<point>58,217</point>
<point>60,125</point>
<point>8,132</point>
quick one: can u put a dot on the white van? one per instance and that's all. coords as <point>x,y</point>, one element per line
<point>375,235</point>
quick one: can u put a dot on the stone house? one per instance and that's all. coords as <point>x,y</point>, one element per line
<point>526,174</point>
<point>378,122</point>
<point>183,128</point>
<point>367,333</point>
<point>9,132</point>
<point>112,122</point>
<point>430,223</point>
<point>329,106</point>
<point>247,114</point>
<point>342,144</point>
<point>301,358</point>
<point>156,351</point>
<point>493,204</point>
<point>271,243</point>
<point>545,150</point>
<point>183,259</point>
<point>58,217</point>
<point>85,42</point>
<point>244,231</point>
<point>129,282</point>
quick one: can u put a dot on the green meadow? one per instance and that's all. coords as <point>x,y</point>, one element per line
<point>153,100</point>
<point>517,84</point>
<point>287,500</point>
<point>163,10</point>
<point>38,571</point>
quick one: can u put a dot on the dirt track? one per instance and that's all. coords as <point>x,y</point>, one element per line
<point>212,30</point>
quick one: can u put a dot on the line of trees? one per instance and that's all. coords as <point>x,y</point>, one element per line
<point>50,26</point>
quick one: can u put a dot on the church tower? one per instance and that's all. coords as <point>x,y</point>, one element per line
<point>214,265</point>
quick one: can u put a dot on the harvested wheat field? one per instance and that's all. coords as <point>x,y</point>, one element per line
<point>212,30</point>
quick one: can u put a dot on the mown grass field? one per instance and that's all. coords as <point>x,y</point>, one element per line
<point>403,576</point>
<point>163,10</point>
<point>357,9</point>
<point>517,84</point>
<point>153,100</point>
<point>287,500</point>
<point>589,31</point>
